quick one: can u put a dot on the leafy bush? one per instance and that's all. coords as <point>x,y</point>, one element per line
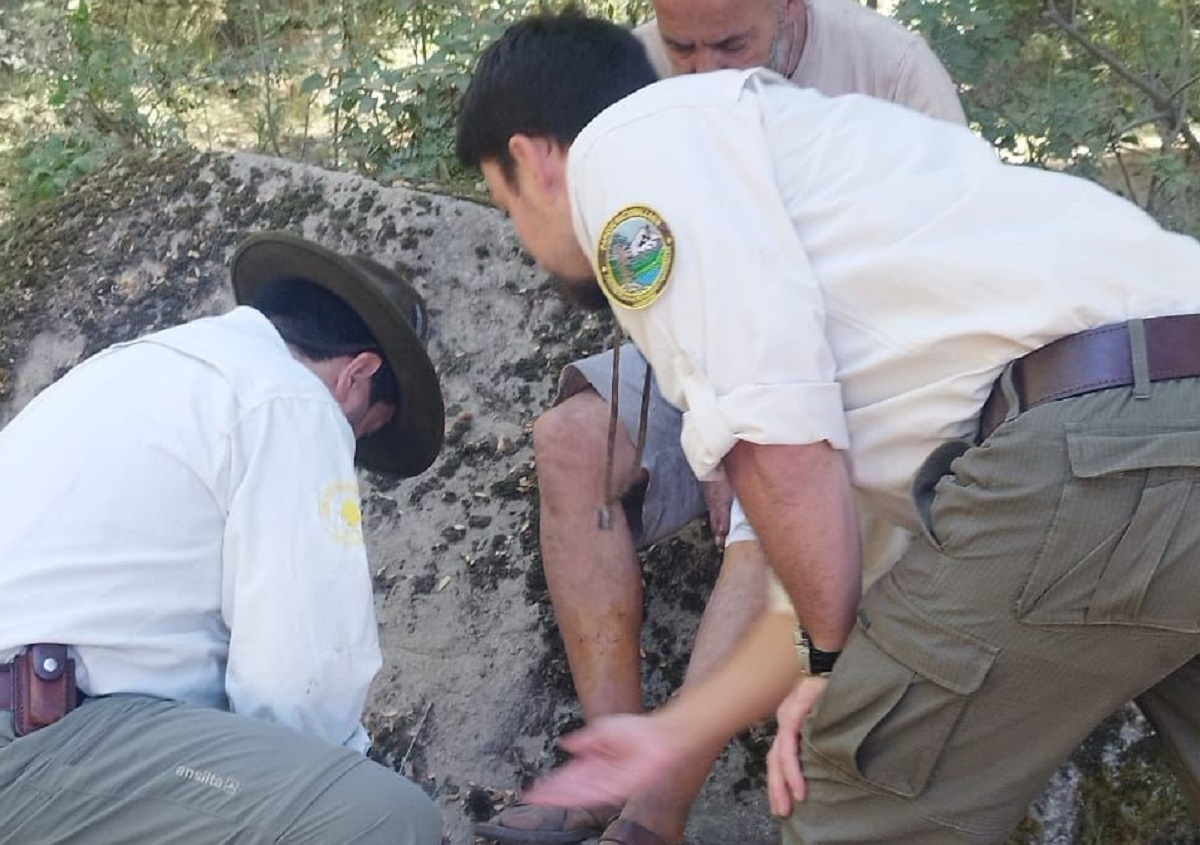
<point>105,94</point>
<point>398,120</point>
<point>1098,87</point>
<point>48,166</point>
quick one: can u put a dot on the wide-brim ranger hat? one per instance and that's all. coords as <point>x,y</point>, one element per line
<point>395,315</point>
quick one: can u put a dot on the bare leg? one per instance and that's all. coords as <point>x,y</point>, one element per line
<point>738,598</point>
<point>595,582</point>
<point>594,576</point>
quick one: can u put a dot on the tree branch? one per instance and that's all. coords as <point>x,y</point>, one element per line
<point>1161,100</point>
<point>1185,86</point>
<point>1128,179</point>
<point>1157,117</point>
<point>1157,97</point>
<point>268,81</point>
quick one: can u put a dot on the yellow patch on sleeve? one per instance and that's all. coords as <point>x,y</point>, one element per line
<point>341,514</point>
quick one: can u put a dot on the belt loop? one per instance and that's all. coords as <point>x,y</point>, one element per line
<point>1139,358</point>
<point>1008,389</point>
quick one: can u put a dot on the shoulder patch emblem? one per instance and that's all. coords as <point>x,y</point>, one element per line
<point>340,513</point>
<point>636,254</point>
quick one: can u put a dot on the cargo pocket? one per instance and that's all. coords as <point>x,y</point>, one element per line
<point>1115,552</point>
<point>889,718</point>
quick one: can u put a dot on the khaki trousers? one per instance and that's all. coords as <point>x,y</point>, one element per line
<point>1058,578</point>
<point>132,769</point>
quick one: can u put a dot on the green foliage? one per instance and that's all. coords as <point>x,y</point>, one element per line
<point>1098,87</point>
<point>106,94</point>
<point>96,89</point>
<point>367,84</point>
<point>48,166</point>
<point>631,12</point>
<point>397,120</point>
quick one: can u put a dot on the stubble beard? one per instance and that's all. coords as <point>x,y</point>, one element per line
<point>783,44</point>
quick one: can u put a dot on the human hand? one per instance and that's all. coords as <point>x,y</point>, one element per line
<point>785,779</point>
<point>615,758</point>
<point>718,496</point>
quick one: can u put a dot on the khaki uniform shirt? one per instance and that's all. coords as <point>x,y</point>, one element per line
<point>806,282</point>
<point>849,49</point>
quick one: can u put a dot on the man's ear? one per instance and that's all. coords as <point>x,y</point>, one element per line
<point>358,370</point>
<point>541,159</point>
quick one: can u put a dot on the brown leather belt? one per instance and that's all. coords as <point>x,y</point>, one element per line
<point>6,695</point>
<point>1097,359</point>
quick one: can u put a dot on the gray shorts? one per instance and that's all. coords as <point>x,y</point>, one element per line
<point>130,768</point>
<point>673,497</point>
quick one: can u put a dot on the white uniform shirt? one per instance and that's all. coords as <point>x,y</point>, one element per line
<point>849,271</point>
<point>850,49</point>
<point>183,510</point>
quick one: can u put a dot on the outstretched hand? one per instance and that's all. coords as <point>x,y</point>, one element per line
<point>785,777</point>
<point>615,757</point>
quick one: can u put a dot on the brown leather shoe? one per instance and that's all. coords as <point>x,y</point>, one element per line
<point>534,823</point>
<point>625,832</point>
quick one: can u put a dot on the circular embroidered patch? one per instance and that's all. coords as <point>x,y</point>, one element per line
<point>340,513</point>
<point>636,253</point>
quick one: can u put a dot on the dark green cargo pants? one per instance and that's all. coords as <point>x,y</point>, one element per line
<point>1058,579</point>
<point>133,770</point>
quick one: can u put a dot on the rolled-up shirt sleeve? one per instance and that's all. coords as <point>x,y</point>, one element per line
<point>296,588</point>
<point>779,413</point>
<point>737,337</point>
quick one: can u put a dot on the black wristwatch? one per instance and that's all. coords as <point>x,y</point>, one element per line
<point>813,661</point>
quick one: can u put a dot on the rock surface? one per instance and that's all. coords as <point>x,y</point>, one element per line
<point>475,688</point>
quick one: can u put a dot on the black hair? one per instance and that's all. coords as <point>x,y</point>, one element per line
<point>547,76</point>
<point>322,326</point>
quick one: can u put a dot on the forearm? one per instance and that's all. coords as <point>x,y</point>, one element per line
<point>799,500</point>
<point>749,684</point>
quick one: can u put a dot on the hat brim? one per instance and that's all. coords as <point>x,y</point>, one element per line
<point>411,440</point>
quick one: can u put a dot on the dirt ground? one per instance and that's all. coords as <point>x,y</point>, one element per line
<point>475,688</point>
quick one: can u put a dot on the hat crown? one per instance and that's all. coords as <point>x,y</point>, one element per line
<point>399,291</point>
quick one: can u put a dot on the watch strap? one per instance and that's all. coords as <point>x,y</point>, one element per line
<point>813,661</point>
